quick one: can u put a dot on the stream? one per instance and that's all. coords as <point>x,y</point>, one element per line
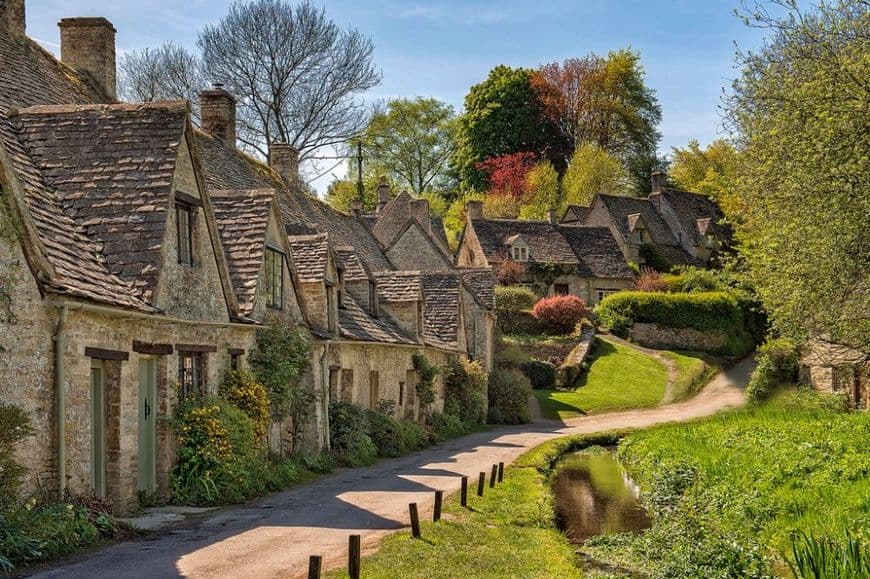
<point>595,496</point>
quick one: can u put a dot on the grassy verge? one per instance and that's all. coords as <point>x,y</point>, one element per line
<point>728,492</point>
<point>694,369</point>
<point>509,532</point>
<point>619,378</point>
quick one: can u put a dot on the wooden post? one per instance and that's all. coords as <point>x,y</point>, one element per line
<point>315,562</point>
<point>415,520</point>
<point>480,482</point>
<point>436,514</point>
<point>493,476</point>
<point>500,472</point>
<point>353,556</point>
<point>463,493</point>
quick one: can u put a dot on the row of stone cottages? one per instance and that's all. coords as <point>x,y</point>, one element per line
<point>139,252</point>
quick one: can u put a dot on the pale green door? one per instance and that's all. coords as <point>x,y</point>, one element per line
<point>147,425</point>
<point>98,428</point>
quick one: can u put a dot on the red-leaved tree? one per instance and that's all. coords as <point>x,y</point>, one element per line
<point>560,314</point>
<point>507,173</point>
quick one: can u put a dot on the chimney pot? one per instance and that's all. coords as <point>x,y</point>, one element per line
<point>658,181</point>
<point>12,18</point>
<point>474,209</point>
<point>88,46</point>
<point>553,217</point>
<point>284,159</point>
<point>383,193</point>
<point>218,114</point>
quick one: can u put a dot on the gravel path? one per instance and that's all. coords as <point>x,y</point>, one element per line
<point>274,537</point>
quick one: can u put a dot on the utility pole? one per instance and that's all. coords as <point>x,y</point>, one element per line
<point>359,176</point>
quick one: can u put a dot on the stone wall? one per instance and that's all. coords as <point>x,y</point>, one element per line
<point>479,330</point>
<point>837,369</point>
<point>657,336</point>
<point>470,252</point>
<point>413,251</point>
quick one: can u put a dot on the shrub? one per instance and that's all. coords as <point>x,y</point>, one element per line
<point>510,273</point>
<point>426,372</point>
<point>514,298</point>
<point>651,281</point>
<point>386,433</point>
<point>777,364</point>
<point>542,375</point>
<point>446,426</point>
<point>414,436</point>
<point>465,391</point>
<point>693,279</point>
<point>14,426</point>
<point>519,322</point>
<point>509,392</point>
<point>348,433</point>
<point>560,314</point>
<point>509,355</point>
<point>704,311</point>
<point>241,389</point>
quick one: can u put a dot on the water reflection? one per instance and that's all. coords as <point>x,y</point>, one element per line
<point>594,496</point>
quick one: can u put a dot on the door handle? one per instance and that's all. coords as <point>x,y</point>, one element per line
<point>147,409</point>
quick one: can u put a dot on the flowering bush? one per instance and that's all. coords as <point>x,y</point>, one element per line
<point>241,389</point>
<point>650,281</point>
<point>560,314</point>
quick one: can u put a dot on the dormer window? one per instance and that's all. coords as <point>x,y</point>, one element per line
<point>642,236</point>
<point>274,279</point>
<point>184,217</point>
<point>373,299</point>
<point>520,253</point>
<point>340,289</point>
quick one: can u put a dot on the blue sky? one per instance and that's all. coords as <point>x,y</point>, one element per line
<point>441,48</point>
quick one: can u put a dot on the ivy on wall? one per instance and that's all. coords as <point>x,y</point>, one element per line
<point>426,372</point>
<point>543,275</point>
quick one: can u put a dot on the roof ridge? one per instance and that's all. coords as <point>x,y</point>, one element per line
<point>168,105</point>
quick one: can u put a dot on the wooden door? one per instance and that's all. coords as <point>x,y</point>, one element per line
<point>147,479</point>
<point>98,428</point>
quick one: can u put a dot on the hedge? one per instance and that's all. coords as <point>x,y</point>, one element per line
<point>541,374</point>
<point>516,298</point>
<point>703,311</point>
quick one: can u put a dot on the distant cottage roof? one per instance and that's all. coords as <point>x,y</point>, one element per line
<point>697,214</point>
<point>546,243</point>
<point>243,217</point>
<point>441,309</point>
<point>482,283</point>
<point>111,167</point>
<point>598,252</point>
<point>310,256</point>
<point>399,286</point>
<point>356,324</point>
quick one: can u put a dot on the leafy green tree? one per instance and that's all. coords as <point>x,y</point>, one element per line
<point>710,171</point>
<point>543,189</point>
<point>412,141</point>
<point>801,109</point>
<point>341,193</point>
<point>593,170</point>
<point>503,115</point>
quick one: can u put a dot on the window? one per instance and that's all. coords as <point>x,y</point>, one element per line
<point>340,288</point>
<point>191,372</point>
<point>330,306</point>
<point>642,237</point>
<point>520,253</point>
<point>184,217</point>
<point>401,393</point>
<point>603,293</point>
<point>560,289</point>
<point>274,279</point>
<point>374,389</point>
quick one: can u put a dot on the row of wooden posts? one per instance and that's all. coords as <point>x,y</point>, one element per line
<point>354,547</point>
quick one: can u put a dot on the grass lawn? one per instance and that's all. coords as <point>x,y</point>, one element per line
<point>618,379</point>
<point>693,371</point>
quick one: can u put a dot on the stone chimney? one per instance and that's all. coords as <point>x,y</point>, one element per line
<point>553,216</point>
<point>383,194</point>
<point>474,210</point>
<point>658,180</point>
<point>356,208</point>
<point>218,114</point>
<point>419,210</point>
<point>88,45</point>
<point>12,18</point>
<point>284,159</point>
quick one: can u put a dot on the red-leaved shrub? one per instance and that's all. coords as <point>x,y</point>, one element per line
<point>560,314</point>
<point>650,281</point>
<point>510,273</point>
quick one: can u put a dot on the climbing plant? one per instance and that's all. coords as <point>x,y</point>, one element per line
<point>426,372</point>
<point>544,274</point>
<point>279,360</point>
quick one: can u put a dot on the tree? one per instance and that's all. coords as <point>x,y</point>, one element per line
<point>341,193</point>
<point>169,71</point>
<point>542,184</point>
<point>503,115</point>
<point>710,171</point>
<point>801,113</point>
<point>412,141</point>
<point>296,72</point>
<point>593,170</point>
<point>506,175</point>
<point>605,101</point>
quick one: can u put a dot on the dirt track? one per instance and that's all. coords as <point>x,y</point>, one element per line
<point>274,537</point>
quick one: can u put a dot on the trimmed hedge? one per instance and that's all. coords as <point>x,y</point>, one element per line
<point>703,311</point>
<point>509,392</point>
<point>512,297</point>
<point>541,374</point>
<point>518,322</point>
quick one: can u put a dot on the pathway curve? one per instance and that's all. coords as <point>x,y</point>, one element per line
<point>274,537</point>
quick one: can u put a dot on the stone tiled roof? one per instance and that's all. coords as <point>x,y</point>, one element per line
<point>78,267</point>
<point>598,252</point>
<point>226,168</point>
<point>546,243</point>
<point>111,167</point>
<point>441,309</point>
<point>626,210</point>
<point>482,283</point>
<point>399,286</point>
<point>575,214</point>
<point>354,270</point>
<point>695,212</point>
<point>355,324</point>
<point>392,221</point>
<point>242,218</point>
<point>30,75</point>
<point>310,256</point>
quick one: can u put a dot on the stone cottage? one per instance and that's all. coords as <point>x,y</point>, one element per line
<point>668,227</point>
<point>837,369</point>
<point>551,258</point>
<point>139,255</point>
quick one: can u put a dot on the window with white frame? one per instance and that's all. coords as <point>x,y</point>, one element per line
<point>520,253</point>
